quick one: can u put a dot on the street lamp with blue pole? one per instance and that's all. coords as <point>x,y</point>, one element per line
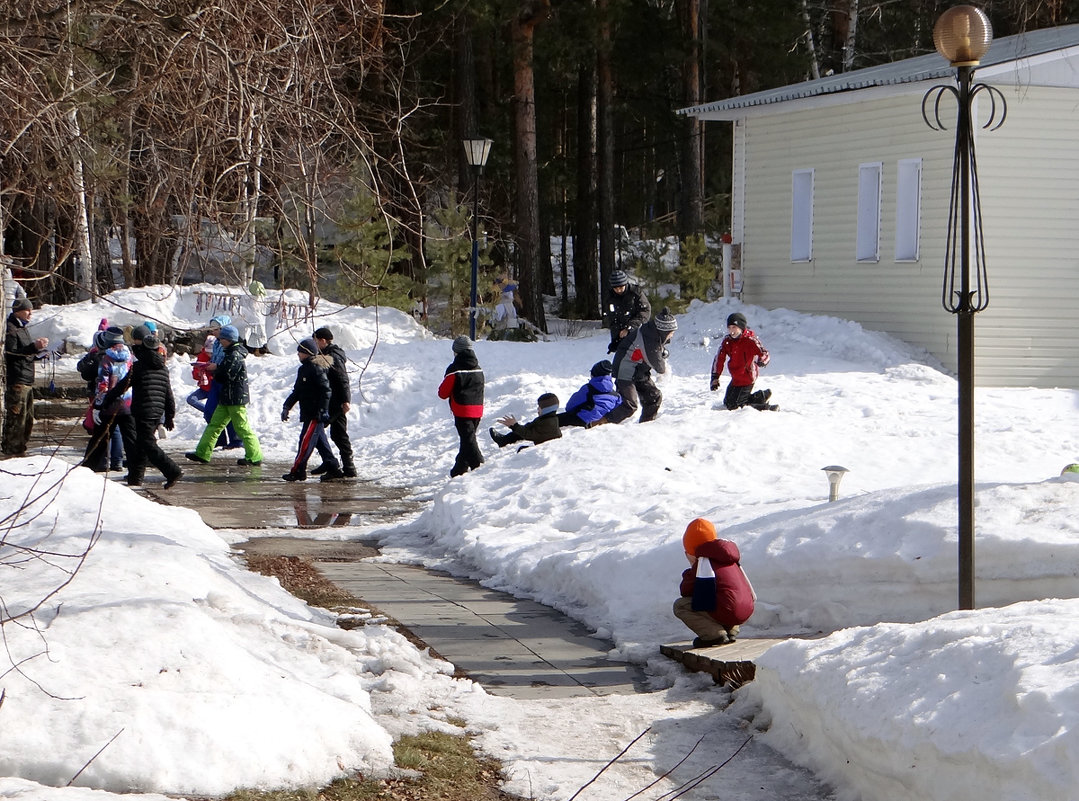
<point>476,152</point>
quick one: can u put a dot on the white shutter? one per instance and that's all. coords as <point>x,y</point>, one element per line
<point>869,180</point>
<point>802,215</point>
<point>908,208</point>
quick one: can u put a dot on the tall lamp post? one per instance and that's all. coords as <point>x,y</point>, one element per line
<point>476,152</point>
<point>963,35</point>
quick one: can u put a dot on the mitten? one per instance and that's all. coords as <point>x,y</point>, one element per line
<point>97,416</point>
<point>284,415</point>
<point>715,383</point>
<point>324,417</point>
<point>169,424</point>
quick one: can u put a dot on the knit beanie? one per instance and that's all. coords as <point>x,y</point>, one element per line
<point>151,342</point>
<point>208,343</point>
<point>229,332</point>
<point>462,344</point>
<point>698,532</point>
<point>665,320</point>
<point>113,335</point>
<point>308,346</point>
<point>139,333</point>
<point>548,403</point>
<point>324,333</point>
<point>602,368</point>
<point>737,319</point>
<point>220,321</point>
<point>22,304</point>
<point>619,278</point>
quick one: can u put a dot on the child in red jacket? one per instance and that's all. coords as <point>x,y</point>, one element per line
<point>745,355</point>
<point>462,386</point>
<point>734,596</point>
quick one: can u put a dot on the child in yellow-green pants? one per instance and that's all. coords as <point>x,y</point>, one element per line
<point>231,374</point>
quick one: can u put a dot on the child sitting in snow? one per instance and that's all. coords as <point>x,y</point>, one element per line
<point>745,355</point>
<point>588,405</point>
<point>543,428</point>
<point>713,615</point>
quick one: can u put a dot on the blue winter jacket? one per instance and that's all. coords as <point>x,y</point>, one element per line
<point>594,399</point>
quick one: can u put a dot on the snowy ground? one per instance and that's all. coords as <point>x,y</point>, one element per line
<point>210,678</point>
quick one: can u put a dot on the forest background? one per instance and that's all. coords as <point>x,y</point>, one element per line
<point>319,145</point>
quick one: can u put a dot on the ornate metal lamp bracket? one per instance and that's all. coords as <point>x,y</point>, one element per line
<point>962,293</point>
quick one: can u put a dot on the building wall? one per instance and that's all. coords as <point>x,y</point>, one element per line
<point>1029,171</point>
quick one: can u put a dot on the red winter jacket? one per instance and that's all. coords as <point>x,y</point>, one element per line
<point>734,596</point>
<point>463,386</point>
<point>745,356</point>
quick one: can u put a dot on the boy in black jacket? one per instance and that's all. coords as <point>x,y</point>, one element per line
<point>151,400</point>
<point>312,392</point>
<point>340,400</point>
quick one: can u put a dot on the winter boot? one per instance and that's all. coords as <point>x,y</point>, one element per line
<point>349,469</point>
<point>318,471</point>
<point>332,474</point>
<point>293,475</point>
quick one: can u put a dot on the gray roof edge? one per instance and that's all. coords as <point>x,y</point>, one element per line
<point>910,70</point>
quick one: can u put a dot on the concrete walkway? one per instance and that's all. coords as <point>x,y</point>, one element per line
<point>511,646</point>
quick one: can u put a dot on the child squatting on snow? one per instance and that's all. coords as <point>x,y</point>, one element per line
<point>717,597</point>
<point>543,428</point>
<point>745,355</point>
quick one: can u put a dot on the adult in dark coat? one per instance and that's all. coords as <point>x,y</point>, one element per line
<point>627,308</point>
<point>637,356</point>
<point>20,353</point>
<point>340,401</point>
<point>462,386</point>
<point>312,391</point>
<point>151,400</point>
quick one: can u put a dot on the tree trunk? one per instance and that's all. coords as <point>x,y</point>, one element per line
<point>529,15</point>
<point>585,267</point>
<point>814,62</point>
<point>691,218</point>
<point>605,143</point>
<point>852,31</point>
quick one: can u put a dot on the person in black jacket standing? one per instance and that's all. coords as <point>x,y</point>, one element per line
<point>20,353</point>
<point>340,401</point>
<point>151,400</point>
<point>312,391</point>
<point>462,386</point>
<point>627,308</point>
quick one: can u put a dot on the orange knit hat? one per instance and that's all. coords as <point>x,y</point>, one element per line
<point>698,532</point>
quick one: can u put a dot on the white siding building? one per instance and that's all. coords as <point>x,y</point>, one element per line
<point>841,191</point>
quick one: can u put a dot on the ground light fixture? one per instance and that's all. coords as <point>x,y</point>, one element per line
<point>477,149</point>
<point>963,35</point>
<point>835,474</point>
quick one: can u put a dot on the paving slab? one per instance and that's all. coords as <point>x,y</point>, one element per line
<point>511,646</point>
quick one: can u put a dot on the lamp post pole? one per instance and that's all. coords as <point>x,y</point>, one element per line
<point>475,255</point>
<point>476,151</point>
<point>963,35</point>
